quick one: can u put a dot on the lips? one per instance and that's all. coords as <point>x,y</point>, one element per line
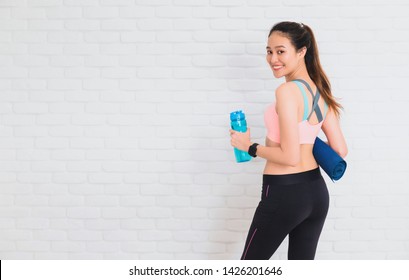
<point>277,67</point>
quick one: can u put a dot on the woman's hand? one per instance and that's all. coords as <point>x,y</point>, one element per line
<point>240,140</point>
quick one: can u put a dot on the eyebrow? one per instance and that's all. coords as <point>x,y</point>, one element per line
<point>276,47</point>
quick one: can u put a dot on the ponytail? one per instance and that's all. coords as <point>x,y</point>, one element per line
<point>318,75</point>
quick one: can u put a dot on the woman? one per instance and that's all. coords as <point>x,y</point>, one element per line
<point>294,198</point>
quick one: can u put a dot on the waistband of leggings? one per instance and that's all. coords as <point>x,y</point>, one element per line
<point>295,178</point>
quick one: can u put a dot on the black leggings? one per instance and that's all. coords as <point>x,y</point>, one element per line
<point>293,204</point>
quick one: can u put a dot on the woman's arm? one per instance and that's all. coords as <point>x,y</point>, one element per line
<point>333,132</point>
<point>288,153</point>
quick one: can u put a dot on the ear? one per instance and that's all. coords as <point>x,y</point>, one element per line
<point>302,52</point>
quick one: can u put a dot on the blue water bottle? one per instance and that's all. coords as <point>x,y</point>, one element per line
<point>239,123</point>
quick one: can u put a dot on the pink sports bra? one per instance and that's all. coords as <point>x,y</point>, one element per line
<point>307,132</point>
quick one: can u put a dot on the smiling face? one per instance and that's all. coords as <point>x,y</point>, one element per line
<point>282,56</point>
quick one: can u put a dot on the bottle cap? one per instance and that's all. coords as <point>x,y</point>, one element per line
<point>237,116</point>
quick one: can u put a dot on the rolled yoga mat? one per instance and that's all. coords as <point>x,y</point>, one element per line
<point>329,160</point>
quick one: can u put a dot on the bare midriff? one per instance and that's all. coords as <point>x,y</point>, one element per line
<point>307,161</point>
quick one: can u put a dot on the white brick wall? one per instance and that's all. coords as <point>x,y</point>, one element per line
<point>114,126</point>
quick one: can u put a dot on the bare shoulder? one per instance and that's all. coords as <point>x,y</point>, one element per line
<point>330,118</point>
<point>286,91</point>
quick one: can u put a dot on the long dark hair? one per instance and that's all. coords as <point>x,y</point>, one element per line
<point>301,36</point>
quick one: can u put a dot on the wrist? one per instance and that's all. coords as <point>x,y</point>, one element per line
<point>252,150</point>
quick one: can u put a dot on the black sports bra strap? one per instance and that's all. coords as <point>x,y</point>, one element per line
<point>315,108</point>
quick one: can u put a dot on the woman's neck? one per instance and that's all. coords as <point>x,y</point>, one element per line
<point>300,73</point>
